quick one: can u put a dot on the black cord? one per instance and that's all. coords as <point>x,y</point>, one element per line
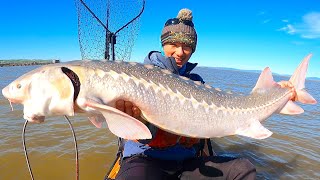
<point>26,153</point>
<point>75,147</point>
<point>25,149</point>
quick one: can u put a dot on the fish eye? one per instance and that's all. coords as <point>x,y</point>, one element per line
<point>18,86</point>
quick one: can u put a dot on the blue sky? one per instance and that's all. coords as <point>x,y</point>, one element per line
<point>247,34</point>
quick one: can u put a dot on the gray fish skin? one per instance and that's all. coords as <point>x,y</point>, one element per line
<point>172,102</point>
<point>183,106</point>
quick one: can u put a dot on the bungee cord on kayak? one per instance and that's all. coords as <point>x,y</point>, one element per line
<point>26,152</point>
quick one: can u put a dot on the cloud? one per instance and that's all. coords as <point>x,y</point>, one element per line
<point>289,29</point>
<point>309,28</point>
<point>264,15</point>
<point>266,21</point>
<point>311,25</point>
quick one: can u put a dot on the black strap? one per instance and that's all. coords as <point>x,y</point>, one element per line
<point>74,79</point>
<point>201,147</point>
<point>209,147</point>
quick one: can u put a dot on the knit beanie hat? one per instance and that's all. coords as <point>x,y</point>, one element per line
<point>180,30</point>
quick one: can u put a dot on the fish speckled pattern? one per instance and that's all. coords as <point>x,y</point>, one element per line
<point>171,102</point>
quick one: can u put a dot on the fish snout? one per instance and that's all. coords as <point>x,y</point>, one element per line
<point>5,92</point>
<point>7,95</point>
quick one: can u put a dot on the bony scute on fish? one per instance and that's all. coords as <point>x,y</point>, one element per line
<point>93,87</point>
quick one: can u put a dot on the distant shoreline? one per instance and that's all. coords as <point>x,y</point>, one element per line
<point>4,63</point>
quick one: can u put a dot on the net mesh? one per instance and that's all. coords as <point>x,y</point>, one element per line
<point>93,18</point>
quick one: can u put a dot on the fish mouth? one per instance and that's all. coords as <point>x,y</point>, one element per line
<point>15,101</point>
<point>34,119</point>
<point>11,101</point>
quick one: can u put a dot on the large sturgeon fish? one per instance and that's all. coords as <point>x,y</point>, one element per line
<point>171,102</point>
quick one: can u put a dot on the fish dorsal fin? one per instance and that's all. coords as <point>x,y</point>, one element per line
<point>255,130</point>
<point>265,80</point>
<point>119,123</point>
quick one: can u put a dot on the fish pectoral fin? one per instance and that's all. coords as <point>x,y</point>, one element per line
<point>120,123</point>
<point>291,108</point>
<point>255,130</point>
<point>97,120</point>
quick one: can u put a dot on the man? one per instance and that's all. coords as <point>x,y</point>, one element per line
<point>166,155</point>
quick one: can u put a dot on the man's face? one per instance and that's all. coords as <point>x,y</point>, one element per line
<point>180,52</point>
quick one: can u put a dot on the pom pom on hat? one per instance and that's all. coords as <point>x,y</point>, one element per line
<point>181,31</point>
<point>185,14</point>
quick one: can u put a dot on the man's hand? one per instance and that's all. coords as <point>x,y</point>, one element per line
<point>129,108</point>
<point>288,84</point>
<point>285,84</point>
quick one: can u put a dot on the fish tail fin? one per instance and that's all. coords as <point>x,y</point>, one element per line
<point>298,81</point>
<point>301,95</point>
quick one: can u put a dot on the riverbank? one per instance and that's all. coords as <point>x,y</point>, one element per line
<point>26,62</point>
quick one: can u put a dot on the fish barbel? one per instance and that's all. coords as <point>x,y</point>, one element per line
<point>170,102</point>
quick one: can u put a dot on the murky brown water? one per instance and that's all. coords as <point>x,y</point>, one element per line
<point>293,151</point>
<point>51,149</point>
